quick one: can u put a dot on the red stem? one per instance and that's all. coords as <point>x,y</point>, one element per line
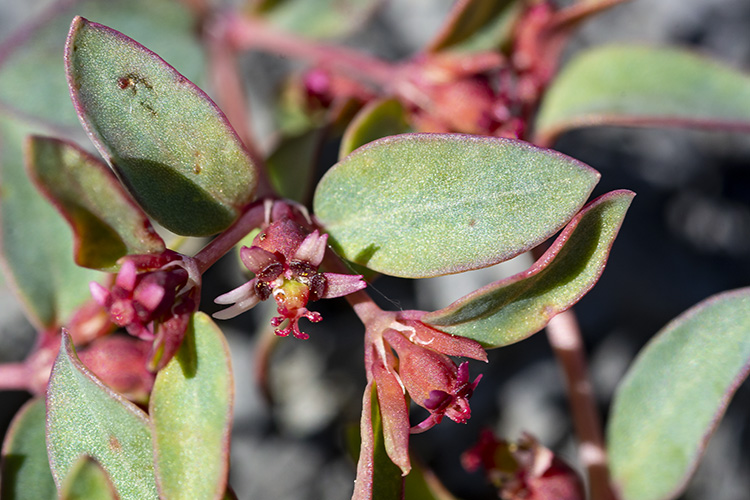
<point>247,33</point>
<point>253,217</point>
<point>15,377</point>
<point>565,338</point>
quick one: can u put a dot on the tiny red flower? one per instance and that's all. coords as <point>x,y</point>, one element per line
<point>285,258</point>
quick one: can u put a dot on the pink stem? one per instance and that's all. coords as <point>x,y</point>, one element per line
<point>14,377</point>
<point>253,217</point>
<point>247,33</point>
<point>565,338</point>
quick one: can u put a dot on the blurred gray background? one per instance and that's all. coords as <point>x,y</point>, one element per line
<point>686,237</point>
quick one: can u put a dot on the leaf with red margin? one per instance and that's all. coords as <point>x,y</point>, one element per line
<point>191,415</point>
<point>674,395</point>
<point>25,468</point>
<point>106,222</point>
<point>169,143</point>
<point>433,204</point>
<point>377,477</point>
<point>85,417</point>
<point>644,86</point>
<point>512,309</point>
<point>476,25</point>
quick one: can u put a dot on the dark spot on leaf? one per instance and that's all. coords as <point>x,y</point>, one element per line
<point>472,222</point>
<point>124,82</point>
<point>114,444</point>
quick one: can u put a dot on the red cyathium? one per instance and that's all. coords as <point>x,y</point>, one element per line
<point>285,258</point>
<point>152,298</point>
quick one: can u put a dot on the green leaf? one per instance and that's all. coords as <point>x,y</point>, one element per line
<point>674,396</point>
<point>85,417</point>
<point>35,242</point>
<point>168,142</point>
<point>87,480</point>
<point>191,414</point>
<point>378,119</point>
<point>378,478</point>
<point>106,223</point>
<point>319,19</point>
<point>512,309</point>
<point>647,86</point>
<point>30,71</point>
<point>422,205</point>
<point>292,164</point>
<point>478,25</point>
<point>25,470</point>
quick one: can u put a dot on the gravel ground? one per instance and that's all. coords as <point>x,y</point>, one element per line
<point>687,237</point>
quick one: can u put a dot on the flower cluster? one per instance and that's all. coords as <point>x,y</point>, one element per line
<point>153,297</point>
<point>405,356</point>
<point>284,257</point>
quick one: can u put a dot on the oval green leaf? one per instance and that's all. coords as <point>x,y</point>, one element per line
<point>674,396</point>
<point>106,223</point>
<point>168,142</point>
<point>36,245</point>
<point>292,164</point>
<point>191,414</point>
<point>376,120</point>
<point>646,86</point>
<point>512,309</point>
<point>85,417</point>
<point>25,470</point>
<point>87,480</point>
<point>422,205</point>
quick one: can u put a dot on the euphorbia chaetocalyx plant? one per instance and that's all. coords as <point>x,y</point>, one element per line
<point>444,168</point>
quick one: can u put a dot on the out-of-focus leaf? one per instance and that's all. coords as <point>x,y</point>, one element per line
<point>106,223</point>
<point>85,417</point>
<point>647,86</point>
<point>292,163</point>
<point>30,71</point>
<point>378,119</point>
<point>36,245</point>
<point>191,415</point>
<point>168,142</point>
<point>25,470</point>
<point>422,484</point>
<point>377,477</point>
<point>422,205</point>
<point>674,396</point>
<point>320,19</point>
<point>87,480</point>
<point>476,25</point>
<point>512,309</point>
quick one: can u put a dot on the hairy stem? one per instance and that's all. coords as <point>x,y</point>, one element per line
<point>565,338</point>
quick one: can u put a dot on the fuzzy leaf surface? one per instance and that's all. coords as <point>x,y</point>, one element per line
<point>36,244</point>
<point>87,480</point>
<point>512,309</point>
<point>191,415</point>
<point>168,142</point>
<point>423,205</point>
<point>647,86</point>
<point>106,223</point>
<point>85,417</point>
<point>674,396</point>
<point>378,119</point>
<point>25,469</point>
